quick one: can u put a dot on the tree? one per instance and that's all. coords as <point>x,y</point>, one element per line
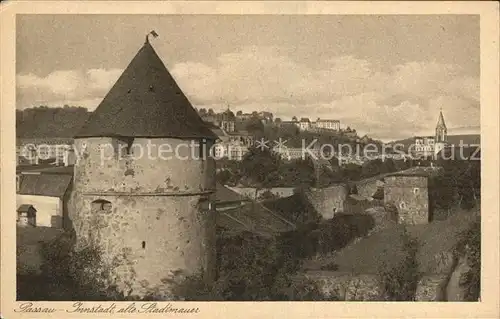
<point>211,112</point>
<point>50,122</point>
<point>352,172</point>
<point>239,113</point>
<point>223,177</point>
<point>202,111</point>
<point>254,125</point>
<point>261,167</point>
<point>251,268</point>
<point>470,247</point>
<point>399,279</point>
<point>299,172</point>
<point>459,184</point>
<point>372,168</point>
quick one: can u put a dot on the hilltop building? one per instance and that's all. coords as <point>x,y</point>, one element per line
<point>304,124</point>
<point>327,124</point>
<point>227,122</point>
<point>150,210</point>
<point>34,151</point>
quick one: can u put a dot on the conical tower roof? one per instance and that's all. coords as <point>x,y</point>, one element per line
<point>440,122</point>
<point>146,101</point>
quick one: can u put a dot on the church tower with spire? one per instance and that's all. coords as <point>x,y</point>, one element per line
<point>441,134</point>
<point>144,183</point>
<point>441,131</point>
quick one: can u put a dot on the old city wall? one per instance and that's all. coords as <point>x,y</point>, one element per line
<point>368,187</point>
<point>410,195</point>
<point>159,219</point>
<point>366,287</point>
<point>328,201</point>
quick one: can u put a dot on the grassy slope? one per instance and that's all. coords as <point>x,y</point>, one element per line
<point>365,256</point>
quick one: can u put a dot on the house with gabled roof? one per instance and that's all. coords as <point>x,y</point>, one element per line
<point>47,192</point>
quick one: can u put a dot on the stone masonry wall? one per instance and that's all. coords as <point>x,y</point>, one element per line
<point>152,167</point>
<point>368,187</point>
<point>409,194</point>
<point>160,220</point>
<point>366,287</point>
<point>328,201</point>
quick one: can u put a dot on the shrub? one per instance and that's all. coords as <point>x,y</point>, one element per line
<point>470,246</point>
<point>68,274</point>
<point>250,268</point>
<point>399,282</point>
<point>339,231</point>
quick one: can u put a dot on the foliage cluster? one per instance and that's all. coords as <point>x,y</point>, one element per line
<point>399,279</point>
<point>265,169</point>
<point>458,186</point>
<point>470,246</point>
<point>46,121</point>
<point>69,274</point>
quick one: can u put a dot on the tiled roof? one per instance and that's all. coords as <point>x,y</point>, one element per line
<point>25,208</point>
<point>146,102</point>
<point>255,218</point>
<point>224,194</point>
<point>296,208</point>
<point>52,185</point>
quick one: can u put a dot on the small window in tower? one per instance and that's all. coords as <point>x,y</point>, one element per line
<point>416,190</point>
<point>143,245</point>
<point>101,206</point>
<point>204,204</point>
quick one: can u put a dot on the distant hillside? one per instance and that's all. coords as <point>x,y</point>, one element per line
<point>50,122</point>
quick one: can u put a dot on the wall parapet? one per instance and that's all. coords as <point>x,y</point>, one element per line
<point>174,193</point>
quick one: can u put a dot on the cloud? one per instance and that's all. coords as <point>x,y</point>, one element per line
<point>67,87</point>
<point>398,102</point>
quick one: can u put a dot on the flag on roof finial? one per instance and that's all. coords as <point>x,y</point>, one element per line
<point>153,33</point>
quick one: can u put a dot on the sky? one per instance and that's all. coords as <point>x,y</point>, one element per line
<point>386,76</point>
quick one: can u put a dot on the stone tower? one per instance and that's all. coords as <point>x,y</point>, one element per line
<point>409,194</point>
<point>441,134</point>
<point>144,182</point>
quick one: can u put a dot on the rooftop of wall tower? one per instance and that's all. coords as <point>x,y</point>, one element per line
<point>146,102</point>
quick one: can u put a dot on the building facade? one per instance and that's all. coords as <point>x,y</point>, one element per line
<point>153,214</point>
<point>228,121</point>
<point>326,124</point>
<point>38,150</point>
<point>304,124</point>
<point>426,146</point>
